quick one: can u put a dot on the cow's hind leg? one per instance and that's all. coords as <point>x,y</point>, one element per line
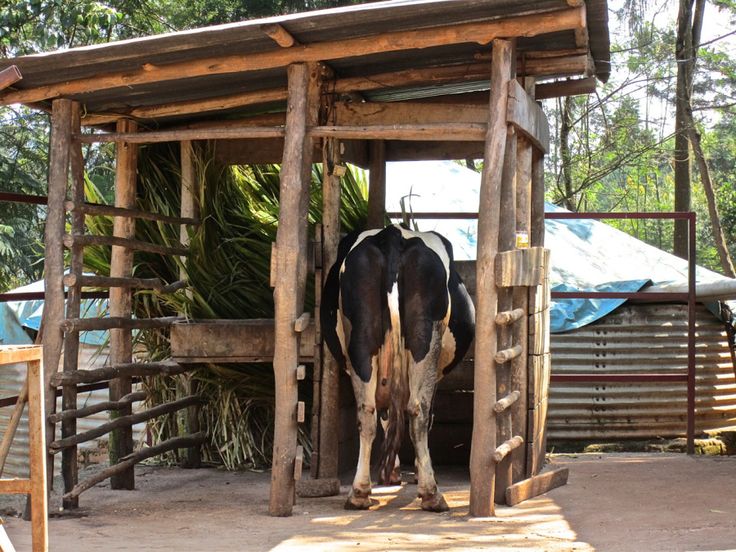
<point>359,497</point>
<point>422,383</point>
<point>395,478</point>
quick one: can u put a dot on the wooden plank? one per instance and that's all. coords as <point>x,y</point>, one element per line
<point>228,340</point>
<point>537,200</point>
<point>539,299</point>
<point>14,354</point>
<point>539,341</point>
<point>121,266</point>
<point>377,185</point>
<point>152,137</point>
<point>9,76</point>
<point>54,301</point>
<point>529,119</point>
<point>291,280</point>
<point>537,366</point>
<point>416,113</point>
<point>484,433</point>
<point>37,452</point>
<point>567,87</point>
<point>96,209</point>
<point>431,132</point>
<point>536,485</point>
<point>521,267</point>
<point>15,486</point>
<point>407,150</point>
<point>480,33</point>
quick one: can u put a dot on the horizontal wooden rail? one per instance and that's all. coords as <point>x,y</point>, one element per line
<point>15,486</point>
<point>137,245</point>
<point>40,296</point>
<point>13,354</point>
<point>436,132</point>
<point>96,209</point>
<point>118,371</point>
<point>126,462</point>
<point>505,448</point>
<point>506,318</point>
<point>505,402</point>
<point>110,323</point>
<point>184,134</point>
<point>122,421</point>
<point>126,400</point>
<point>137,283</point>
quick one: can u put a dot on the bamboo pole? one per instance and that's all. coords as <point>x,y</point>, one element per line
<point>69,465</point>
<point>121,266</point>
<point>53,315</point>
<point>330,382</point>
<point>290,280</point>
<point>377,185</point>
<point>484,420</point>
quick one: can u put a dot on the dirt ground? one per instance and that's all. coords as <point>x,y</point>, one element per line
<point>637,502</point>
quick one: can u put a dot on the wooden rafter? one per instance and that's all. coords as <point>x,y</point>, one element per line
<point>280,36</point>
<point>480,33</point>
<point>9,76</point>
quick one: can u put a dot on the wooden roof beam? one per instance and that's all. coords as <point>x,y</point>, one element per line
<point>9,76</point>
<point>280,36</point>
<point>480,33</point>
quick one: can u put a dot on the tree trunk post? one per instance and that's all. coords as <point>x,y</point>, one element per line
<point>484,419</point>
<point>290,278</point>
<point>377,184</point>
<point>121,265</point>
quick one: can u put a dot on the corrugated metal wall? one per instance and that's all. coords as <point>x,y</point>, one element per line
<point>11,379</point>
<point>641,339</point>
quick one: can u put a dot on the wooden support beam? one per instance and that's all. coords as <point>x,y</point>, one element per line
<point>116,323</point>
<point>131,460</point>
<point>536,485</point>
<point>506,447</point>
<point>280,36</point>
<point>463,132</point>
<point>414,113</point>
<point>290,275</point>
<point>9,76</point>
<point>15,486</point>
<point>527,117</point>
<point>571,87</point>
<point>14,354</point>
<point>54,301</point>
<point>480,33</point>
<point>72,240</point>
<point>152,137</point>
<point>122,421</point>
<point>484,426</point>
<point>95,408</point>
<point>506,318</point>
<point>506,402</point>
<point>111,211</point>
<point>120,370</point>
<point>136,283</point>
<point>121,266</point>
<point>377,185</point>
<point>537,200</point>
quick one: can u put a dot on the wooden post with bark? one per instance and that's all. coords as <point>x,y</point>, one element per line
<point>484,418</point>
<point>377,184</point>
<point>69,469</point>
<point>121,266</point>
<point>59,157</point>
<point>290,276</point>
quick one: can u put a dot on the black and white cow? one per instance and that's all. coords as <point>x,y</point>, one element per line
<point>397,317</point>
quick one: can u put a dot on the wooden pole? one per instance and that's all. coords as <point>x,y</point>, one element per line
<point>377,185</point>
<point>290,268</point>
<point>537,199</point>
<point>121,266</point>
<point>506,237</point>
<point>329,391</point>
<point>189,210</point>
<point>69,467</point>
<point>484,419</point>
<point>12,426</point>
<point>37,452</point>
<point>59,152</point>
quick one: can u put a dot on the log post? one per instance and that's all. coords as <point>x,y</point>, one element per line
<point>59,153</point>
<point>506,237</point>
<point>121,266</point>
<point>290,280</point>
<point>537,199</point>
<point>189,210</point>
<point>329,391</point>
<point>484,419</point>
<point>377,184</point>
<point>69,469</point>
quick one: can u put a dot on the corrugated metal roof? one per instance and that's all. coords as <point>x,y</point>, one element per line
<point>247,38</point>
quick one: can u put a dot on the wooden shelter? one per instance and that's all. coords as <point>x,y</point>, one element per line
<point>397,80</point>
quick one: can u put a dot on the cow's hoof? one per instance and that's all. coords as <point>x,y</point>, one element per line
<point>435,503</point>
<point>358,500</point>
